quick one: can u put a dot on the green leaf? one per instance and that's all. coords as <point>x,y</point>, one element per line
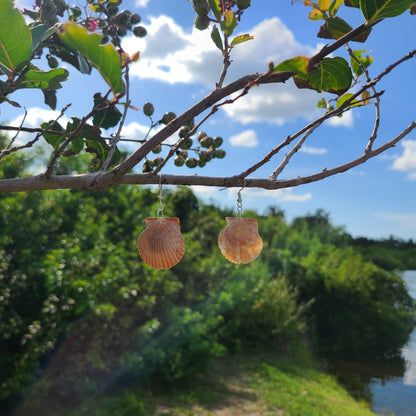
<point>50,98</point>
<point>365,60</point>
<point>322,103</point>
<point>77,144</point>
<point>35,78</point>
<point>55,140</point>
<point>216,9</point>
<point>324,4</point>
<point>104,58</point>
<point>240,39</point>
<point>352,3</point>
<point>12,103</point>
<point>299,65</point>
<point>331,75</point>
<point>40,32</point>
<point>106,118</point>
<point>334,28</point>
<point>216,37</point>
<point>374,10</point>
<point>229,23</point>
<point>346,97</point>
<point>15,39</point>
<point>335,5</point>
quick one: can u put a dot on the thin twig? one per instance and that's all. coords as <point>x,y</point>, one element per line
<point>292,151</point>
<point>116,138</point>
<point>376,100</point>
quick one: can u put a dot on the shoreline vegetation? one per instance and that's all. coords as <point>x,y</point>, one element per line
<point>264,383</point>
<point>82,317</point>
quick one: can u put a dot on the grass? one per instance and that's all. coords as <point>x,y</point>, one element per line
<point>266,384</point>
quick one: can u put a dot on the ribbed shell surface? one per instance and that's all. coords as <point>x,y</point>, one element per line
<point>161,245</point>
<point>239,241</point>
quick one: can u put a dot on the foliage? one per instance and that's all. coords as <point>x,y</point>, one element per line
<point>81,312</point>
<point>241,385</point>
<point>81,38</point>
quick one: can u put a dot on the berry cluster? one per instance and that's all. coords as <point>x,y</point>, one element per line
<point>207,149</point>
<point>114,23</point>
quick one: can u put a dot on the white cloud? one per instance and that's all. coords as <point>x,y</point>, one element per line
<point>407,161</point>
<point>171,54</point>
<point>247,138</point>
<point>313,150</point>
<point>141,3</point>
<point>278,195</point>
<point>346,120</point>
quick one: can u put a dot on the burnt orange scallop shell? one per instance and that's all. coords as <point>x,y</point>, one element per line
<point>239,241</point>
<point>161,245</point>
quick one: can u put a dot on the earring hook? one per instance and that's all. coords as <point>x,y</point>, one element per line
<point>239,200</point>
<point>160,197</point>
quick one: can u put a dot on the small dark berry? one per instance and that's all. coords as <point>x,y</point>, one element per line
<point>139,31</point>
<point>148,109</point>
<point>168,117</point>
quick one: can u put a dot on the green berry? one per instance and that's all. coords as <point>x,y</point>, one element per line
<point>243,4</point>
<point>182,153</point>
<point>220,153</point>
<point>217,142</point>
<point>184,131</point>
<point>168,117</point>
<point>191,162</point>
<point>157,161</point>
<point>147,166</point>
<point>202,22</point>
<point>157,149</point>
<point>201,163</point>
<point>148,109</point>
<point>52,61</point>
<point>206,142</point>
<point>201,135</point>
<point>201,7</point>
<point>178,161</point>
<point>204,156</point>
<point>190,124</point>
<point>187,144</point>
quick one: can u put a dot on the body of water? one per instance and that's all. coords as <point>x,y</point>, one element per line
<point>397,394</point>
<point>389,385</point>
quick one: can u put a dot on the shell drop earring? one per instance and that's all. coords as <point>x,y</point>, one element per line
<point>161,245</point>
<point>240,241</point>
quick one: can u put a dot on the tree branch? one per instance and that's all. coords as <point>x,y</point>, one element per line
<point>38,183</point>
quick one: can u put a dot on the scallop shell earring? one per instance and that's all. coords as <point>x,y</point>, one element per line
<point>161,245</point>
<point>240,241</point>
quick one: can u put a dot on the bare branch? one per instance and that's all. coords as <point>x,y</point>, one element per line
<point>84,182</point>
<point>376,100</point>
<point>116,138</point>
<point>292,151</point>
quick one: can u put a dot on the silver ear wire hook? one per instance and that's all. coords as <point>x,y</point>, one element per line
<point>160,196</point>
<point>240,201</point>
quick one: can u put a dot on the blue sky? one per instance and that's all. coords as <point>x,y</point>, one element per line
<point>179,65</point>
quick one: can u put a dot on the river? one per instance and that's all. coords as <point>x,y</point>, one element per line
<point>388,385</point>
<point>397,394</point>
